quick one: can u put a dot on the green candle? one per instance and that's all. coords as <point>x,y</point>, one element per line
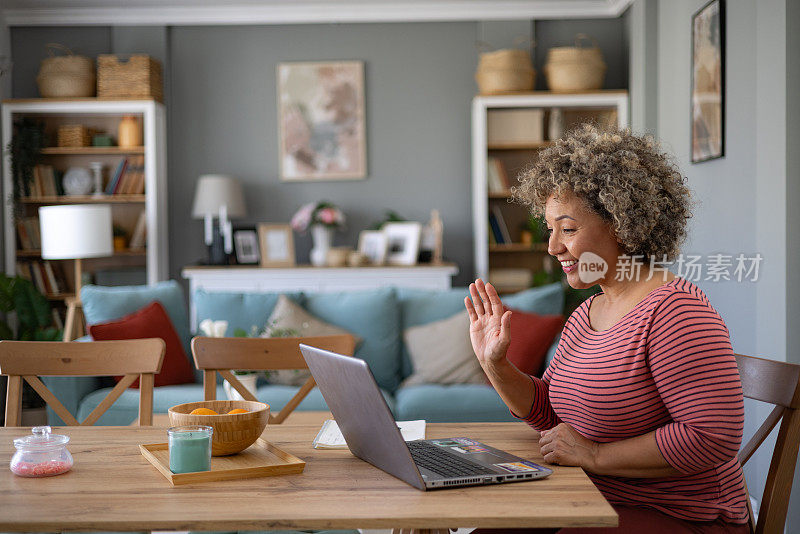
<point>190,448</point>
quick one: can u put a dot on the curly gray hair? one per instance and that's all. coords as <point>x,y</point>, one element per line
<point>624,178</point>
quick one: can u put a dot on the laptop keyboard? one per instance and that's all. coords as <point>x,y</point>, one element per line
<point>443,463</point>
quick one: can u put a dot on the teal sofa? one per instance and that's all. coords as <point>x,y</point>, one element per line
<point>377,316</point>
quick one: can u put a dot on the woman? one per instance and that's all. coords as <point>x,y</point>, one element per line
<point>643,392</point>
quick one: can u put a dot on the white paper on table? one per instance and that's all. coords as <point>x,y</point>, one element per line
<point>330,437</point>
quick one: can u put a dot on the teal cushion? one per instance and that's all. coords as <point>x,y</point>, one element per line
<point>277,396</point>
<point>102,304</point>
<point>544,300</point>
<point>241,310</point>
<point>453,403</point>
<point>375,317</point>
<point>126,409</point>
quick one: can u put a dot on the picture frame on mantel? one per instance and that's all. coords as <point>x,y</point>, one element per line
<point>277,245</point>
<point>708,82</point>
<point>245,245</point>
<point>373,244</point>
<point>403,240</point>
<point>321,121</point>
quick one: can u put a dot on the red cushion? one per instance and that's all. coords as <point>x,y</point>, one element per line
<point>150,321</point>
<point>531,337</point>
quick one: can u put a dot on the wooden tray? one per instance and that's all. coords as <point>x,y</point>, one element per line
<point>261,459</point>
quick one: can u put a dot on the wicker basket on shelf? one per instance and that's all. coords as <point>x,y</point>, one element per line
<point>139,76</point>
<point>66,76</point>
<point>74,135</point>
<point>505,71</point>
<point>572,69</point>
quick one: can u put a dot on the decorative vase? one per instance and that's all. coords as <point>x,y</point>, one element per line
<point>322,236</point>
<point>129,133</point>
<point>248,381</point>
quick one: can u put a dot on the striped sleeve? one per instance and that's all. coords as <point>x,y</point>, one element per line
<point>542,416</point>
<point>694,370</point>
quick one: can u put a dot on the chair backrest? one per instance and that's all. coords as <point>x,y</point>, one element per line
<point>777,383</point>
<point>220,355</point>
<point>28,360</point>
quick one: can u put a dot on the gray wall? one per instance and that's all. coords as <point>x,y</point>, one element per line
<point>641,21</point>
<point>28,50</point>
<point>419,85</point>
<point>793,214</point>
<point>742,198</point>
<point>222,113</point>
<point>611,37</point>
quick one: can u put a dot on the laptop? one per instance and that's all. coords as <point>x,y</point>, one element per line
<point>371,433</point>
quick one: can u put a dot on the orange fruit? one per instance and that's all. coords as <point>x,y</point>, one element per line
<point>203,411</point>
<point>237,410</point>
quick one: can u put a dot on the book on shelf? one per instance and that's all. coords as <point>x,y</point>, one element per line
<point>28,233</point>
<point>128,178</point>
<point>134,184</point>
<point>25,241</point>
<point>44,182</point>
<point>494,230</point>
<point>37,276</point>
<point>113,182</point>
<point>48,178</point>
<point>50,278</point>
<point>493,177</point>
<point>139,236</point>
<point>46,276</point>
<point>501,223</point>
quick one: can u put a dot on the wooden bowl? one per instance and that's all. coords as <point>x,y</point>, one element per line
<point>232,432</point>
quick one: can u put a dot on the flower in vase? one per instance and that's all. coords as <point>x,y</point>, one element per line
<point>323,213</point>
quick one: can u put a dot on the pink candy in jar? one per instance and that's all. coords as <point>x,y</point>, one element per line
<point>41,454</point>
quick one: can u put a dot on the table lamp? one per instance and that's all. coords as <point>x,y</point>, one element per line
<point>218,195</point>
<point>75,232</point>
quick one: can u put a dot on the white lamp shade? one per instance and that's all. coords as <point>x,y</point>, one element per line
<point>217,190</point>
<point>76,231</point>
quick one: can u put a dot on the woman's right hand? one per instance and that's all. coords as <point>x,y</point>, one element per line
<point>489,325</point>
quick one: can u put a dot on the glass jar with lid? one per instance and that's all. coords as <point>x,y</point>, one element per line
<point>41,454</point>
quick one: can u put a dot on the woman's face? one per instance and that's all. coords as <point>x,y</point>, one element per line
<point>578,233</point>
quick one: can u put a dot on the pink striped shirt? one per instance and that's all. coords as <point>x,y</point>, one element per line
<point>667,366</point>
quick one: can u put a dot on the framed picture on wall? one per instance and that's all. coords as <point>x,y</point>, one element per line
<point>277,245</point>
<point>321,121</point>
<point>245,245</point>
<point>708,82</point>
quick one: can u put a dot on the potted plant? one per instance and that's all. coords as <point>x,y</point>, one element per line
<point>120,237</point>
<point>27,316</point>
<point>25,150</point>
<point>323,218</point>
<point>31,311</point>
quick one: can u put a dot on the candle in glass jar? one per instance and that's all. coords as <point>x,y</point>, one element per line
<point>190,448</point>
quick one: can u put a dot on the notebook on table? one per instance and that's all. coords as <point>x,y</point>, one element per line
<point>372,435</point>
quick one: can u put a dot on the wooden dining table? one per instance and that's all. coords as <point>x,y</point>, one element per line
<point>113,487</point>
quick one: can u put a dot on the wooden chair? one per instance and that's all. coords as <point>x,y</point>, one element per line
<point>777,383</point>
<point>220,355</point>
<point>27,360</point>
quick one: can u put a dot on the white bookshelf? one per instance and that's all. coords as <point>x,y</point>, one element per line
<point>103,115</point>
<point>516,255</point>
